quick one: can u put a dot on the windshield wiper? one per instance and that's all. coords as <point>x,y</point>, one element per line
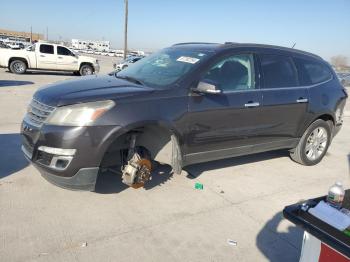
<point>130,79</point>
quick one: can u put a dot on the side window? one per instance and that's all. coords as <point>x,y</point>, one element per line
<point>312,72</point>
<point>278,71</point>
<point>63,51</point>
<point>46,49</point>
<point>235,72</point>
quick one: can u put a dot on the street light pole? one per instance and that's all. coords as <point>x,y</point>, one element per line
<point>126,29</point>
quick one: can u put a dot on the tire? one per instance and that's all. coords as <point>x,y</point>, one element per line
<point>314,143</point>
<point>18,67</point>
<point>86,70</point>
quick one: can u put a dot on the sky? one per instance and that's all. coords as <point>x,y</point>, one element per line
<point>318,26</point>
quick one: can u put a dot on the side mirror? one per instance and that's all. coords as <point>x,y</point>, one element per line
<point>207,87</point>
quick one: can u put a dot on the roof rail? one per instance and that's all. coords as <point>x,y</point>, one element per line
<point>193,43</point>
<point>282,48</point>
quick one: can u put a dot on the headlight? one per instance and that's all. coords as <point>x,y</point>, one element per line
<point>80,114</point>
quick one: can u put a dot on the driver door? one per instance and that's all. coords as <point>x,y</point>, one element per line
<point>46,57</point>
<point>226,123</point>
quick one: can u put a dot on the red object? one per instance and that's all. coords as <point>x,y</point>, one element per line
<point>313,250</point>
<point>328,254</point>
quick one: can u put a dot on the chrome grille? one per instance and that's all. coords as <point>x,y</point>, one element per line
<point>37,113</point>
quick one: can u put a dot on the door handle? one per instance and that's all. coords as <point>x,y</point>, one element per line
<point>302,100</point>
<point>252,104</point>
<point>42,56</point>
<point>60,57</point>
<point>213,91</point>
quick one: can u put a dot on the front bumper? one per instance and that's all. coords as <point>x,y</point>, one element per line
<point>90,144</point>
<point>84,179</point>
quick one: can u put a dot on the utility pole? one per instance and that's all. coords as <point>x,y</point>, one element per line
<point>126,29</point>
<point>47,33</point>
<point>31,35</point>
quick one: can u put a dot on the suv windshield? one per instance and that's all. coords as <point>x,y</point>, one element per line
<point>164,67</point>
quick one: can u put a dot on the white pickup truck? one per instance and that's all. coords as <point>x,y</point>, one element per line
<point>45,56</point>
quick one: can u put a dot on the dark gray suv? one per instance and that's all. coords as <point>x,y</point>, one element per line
<point>189,103</point>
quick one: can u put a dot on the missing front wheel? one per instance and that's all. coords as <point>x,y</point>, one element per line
<point>137,171</point>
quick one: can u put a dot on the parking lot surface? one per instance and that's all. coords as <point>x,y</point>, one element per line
<point>169,220</point>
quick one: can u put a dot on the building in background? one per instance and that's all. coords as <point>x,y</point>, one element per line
<point>90,45</point>
<point>8,36</point>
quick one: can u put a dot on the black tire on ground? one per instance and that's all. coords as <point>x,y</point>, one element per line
<point>86,70</point>
<point>18,67</point>
<point>314,143</point>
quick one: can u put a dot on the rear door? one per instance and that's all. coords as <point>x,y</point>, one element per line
<point>284,100</point>
<point>46,57</point>
<point>66,60</point>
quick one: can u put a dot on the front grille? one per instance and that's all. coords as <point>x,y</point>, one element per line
<point>38,113</point>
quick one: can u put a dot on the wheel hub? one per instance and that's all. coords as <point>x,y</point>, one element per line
<point>18,67</point>
<point>144,173</point>
<point>137,171</point>
<point>87,71</point>
<point>316,143</point>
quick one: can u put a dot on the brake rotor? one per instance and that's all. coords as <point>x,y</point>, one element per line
<point>144,173</point>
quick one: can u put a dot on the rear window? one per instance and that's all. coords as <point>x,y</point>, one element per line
<point>312,72</point>
<point>278,71</point>
<point>46,49</point>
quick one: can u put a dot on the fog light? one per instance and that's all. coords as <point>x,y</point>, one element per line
<point>60,162</point>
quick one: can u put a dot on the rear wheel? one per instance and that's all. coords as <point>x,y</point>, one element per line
<point>86,70</point>
<point>314,144</point>
<point>18,67</point>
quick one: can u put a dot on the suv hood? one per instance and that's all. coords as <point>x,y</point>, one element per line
<point>88,89</point>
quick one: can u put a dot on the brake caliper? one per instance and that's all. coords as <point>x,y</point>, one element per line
<point>138,169</point>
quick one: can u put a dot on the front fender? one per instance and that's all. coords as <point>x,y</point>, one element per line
<point>169,152</point>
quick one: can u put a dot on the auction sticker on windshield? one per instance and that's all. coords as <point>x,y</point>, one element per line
<point>187,59</point>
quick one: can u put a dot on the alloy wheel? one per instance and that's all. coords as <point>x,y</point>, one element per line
<point>18,67</point>
<point>316,143</point>
<point>87,71</point>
